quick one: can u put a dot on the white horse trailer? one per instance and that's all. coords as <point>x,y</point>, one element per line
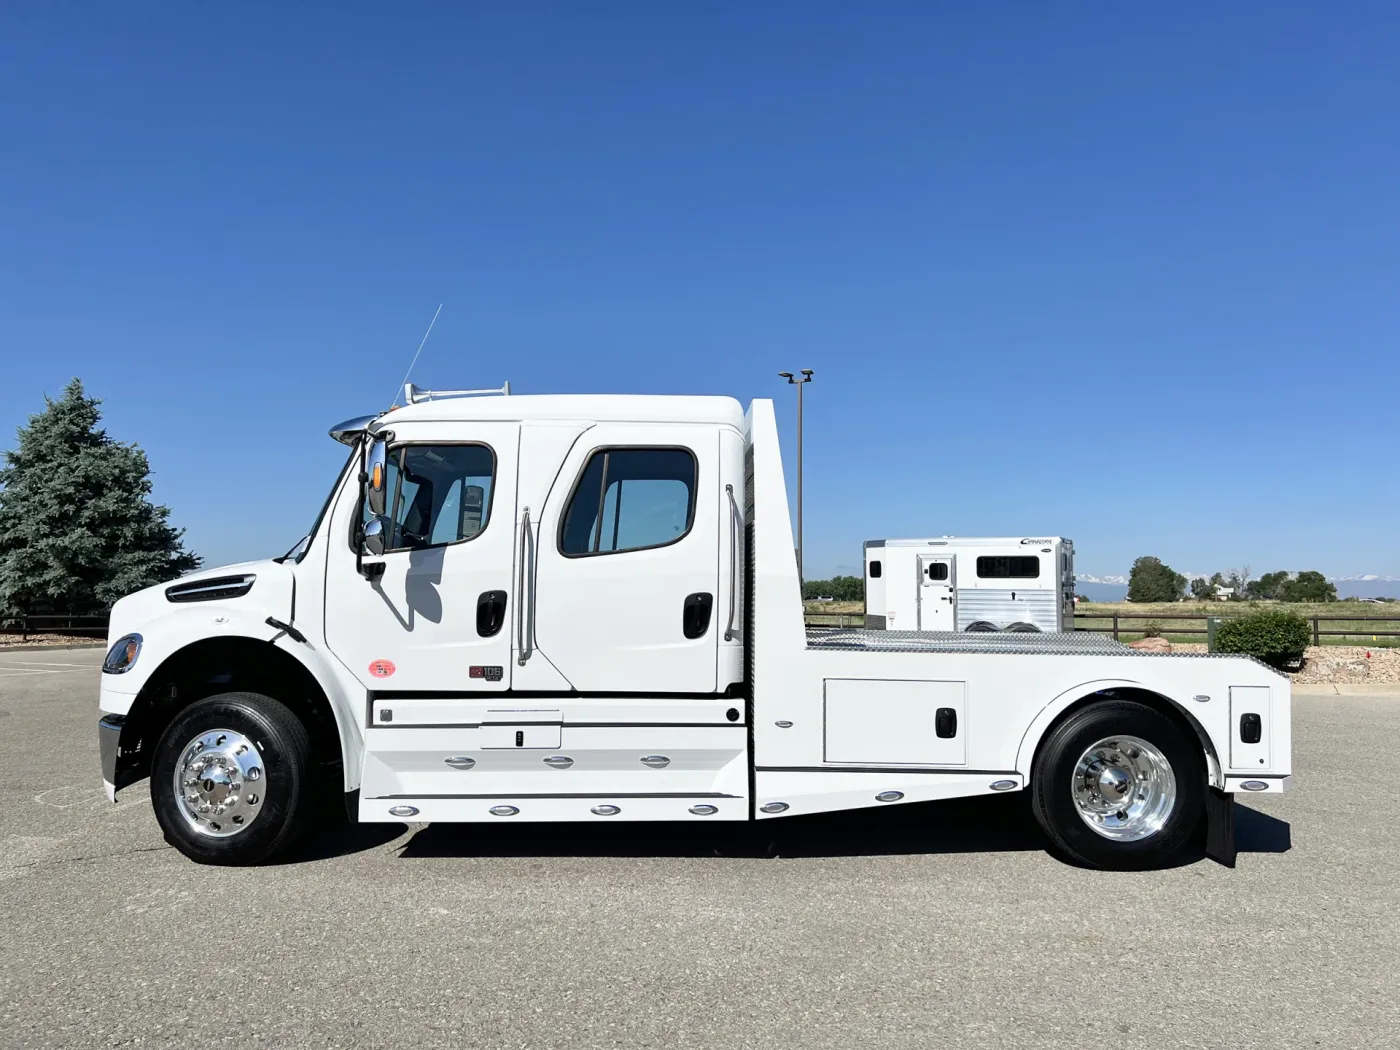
<point>965,583</point>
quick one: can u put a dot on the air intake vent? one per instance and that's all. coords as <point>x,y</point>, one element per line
<point>211,590</point>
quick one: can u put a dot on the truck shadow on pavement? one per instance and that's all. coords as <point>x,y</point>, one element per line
<point>989,824</point>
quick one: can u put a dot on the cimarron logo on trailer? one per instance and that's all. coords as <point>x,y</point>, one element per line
<point>381,668</point>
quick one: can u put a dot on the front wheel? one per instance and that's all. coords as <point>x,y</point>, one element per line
<point>1119,785</point>
<point>230,781</point>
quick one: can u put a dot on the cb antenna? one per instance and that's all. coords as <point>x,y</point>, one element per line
<point>415,356</point>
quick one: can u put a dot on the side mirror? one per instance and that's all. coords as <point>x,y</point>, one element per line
<point>376,535</point>
<point>377,479</point>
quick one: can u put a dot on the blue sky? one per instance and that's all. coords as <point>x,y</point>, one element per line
<point>1125,273</point>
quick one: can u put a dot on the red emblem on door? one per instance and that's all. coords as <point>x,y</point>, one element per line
<point>382,668</point>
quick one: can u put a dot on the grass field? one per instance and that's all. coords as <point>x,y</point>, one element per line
<point>1133,620</point>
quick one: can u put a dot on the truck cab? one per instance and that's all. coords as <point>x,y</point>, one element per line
<point>580,608</point>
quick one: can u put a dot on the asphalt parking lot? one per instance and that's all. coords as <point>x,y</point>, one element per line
<point>936,926</point>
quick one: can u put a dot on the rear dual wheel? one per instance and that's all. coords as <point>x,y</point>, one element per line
<point>230,780</point>
<point>1119,785</point>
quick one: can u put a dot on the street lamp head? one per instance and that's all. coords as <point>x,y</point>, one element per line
<point>785,375</point>
<point>807,372</point>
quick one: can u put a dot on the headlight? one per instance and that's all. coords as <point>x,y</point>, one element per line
<point>122,655</point>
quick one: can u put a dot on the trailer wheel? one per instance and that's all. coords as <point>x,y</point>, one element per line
<point>1119,785</point>
<point>230,779</point>
<point>981,626</point>
<point>1021,627</point>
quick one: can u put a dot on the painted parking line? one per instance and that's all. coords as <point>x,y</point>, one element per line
<point>17,672</point>
<point>46,663</point>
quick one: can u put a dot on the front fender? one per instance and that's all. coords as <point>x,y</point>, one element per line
<point>166,638</point>
<point>1051,712</point>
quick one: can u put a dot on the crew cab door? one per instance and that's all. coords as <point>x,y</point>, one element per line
<point>439,617</point>
<point>626,570</point>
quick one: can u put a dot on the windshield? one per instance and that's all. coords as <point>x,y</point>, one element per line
<point>302,545</point>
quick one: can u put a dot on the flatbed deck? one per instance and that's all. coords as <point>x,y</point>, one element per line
<point>1056,643</point>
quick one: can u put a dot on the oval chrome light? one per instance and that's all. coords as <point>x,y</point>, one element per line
<point>773,807</point>
<point>784,724</point>
<point>1255,785</point>
<point>403,811</point>
<point>655,761</point>
<point>122,655</point>
<point>889,796</point>
<point>460,762</point>
<point>559,761</point>
<point>504,811</point>
<point>1003,785</point>
<point>605,811</point>
<point>704,810</point>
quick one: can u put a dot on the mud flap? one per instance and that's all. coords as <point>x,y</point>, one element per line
<point>1220,827</point>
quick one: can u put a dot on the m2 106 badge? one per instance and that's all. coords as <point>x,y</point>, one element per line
<point>381,668</point>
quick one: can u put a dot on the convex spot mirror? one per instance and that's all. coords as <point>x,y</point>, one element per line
<point>376,478</point>
<point>376,535</point>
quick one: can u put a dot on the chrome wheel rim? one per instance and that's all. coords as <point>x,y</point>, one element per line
<point>219,781</point>
<point>1124,788</point>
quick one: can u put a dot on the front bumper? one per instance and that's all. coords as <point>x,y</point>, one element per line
<point>109,739</point>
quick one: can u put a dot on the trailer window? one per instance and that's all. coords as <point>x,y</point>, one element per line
<point>1014,567</point>
<point>938,570</point>
<point>630,499</point>
<point>875,570</point>
<point>438,494</point>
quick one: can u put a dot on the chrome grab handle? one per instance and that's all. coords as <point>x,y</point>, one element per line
<point>522,595</point>
<point>733,562</point>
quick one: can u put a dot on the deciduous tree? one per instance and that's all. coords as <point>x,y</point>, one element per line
<point>1152,581</point>
<point>1309,586</point>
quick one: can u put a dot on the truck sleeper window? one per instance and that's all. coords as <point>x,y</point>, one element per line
<point>438,494</point>
<point>630,499</point>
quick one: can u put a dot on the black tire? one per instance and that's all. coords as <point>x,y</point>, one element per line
<point>287,797</point>
<point>981,626</point>
<point>1052,777</point>
<point>1021,627</point>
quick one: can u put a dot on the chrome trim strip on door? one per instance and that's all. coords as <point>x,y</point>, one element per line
<point>733,562</point>
<point>522,596</point>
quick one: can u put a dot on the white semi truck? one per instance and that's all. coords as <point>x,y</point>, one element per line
<point>587,609</point>
<point>970,583</point>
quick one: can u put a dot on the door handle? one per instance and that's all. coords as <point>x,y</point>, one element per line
<point>490,612</point>
<point>695,614</point>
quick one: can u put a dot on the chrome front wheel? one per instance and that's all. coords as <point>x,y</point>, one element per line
<point>231,779</point>
<point>1124,788</point>
<point>217,783</point>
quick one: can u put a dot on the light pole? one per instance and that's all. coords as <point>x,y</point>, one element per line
<point>799,383</point>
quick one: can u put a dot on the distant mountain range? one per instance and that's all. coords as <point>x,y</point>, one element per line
<point>1114,588</point>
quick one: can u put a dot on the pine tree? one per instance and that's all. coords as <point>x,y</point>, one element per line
<point>77,527</point>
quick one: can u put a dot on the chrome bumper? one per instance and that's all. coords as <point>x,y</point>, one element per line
<point>109,738</point>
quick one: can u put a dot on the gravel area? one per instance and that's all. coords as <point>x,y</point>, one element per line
<point>8,641</point>
<point>1334,664</point>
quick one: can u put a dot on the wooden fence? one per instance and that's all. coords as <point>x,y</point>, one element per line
<point>74,626</point>
<point>1136,624</point>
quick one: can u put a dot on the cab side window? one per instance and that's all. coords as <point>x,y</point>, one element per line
<point>630,499</point>
<point>438,494</point>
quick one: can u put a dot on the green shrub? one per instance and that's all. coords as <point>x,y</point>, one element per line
<point>1276,637</point>
<point>1152,629</point>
